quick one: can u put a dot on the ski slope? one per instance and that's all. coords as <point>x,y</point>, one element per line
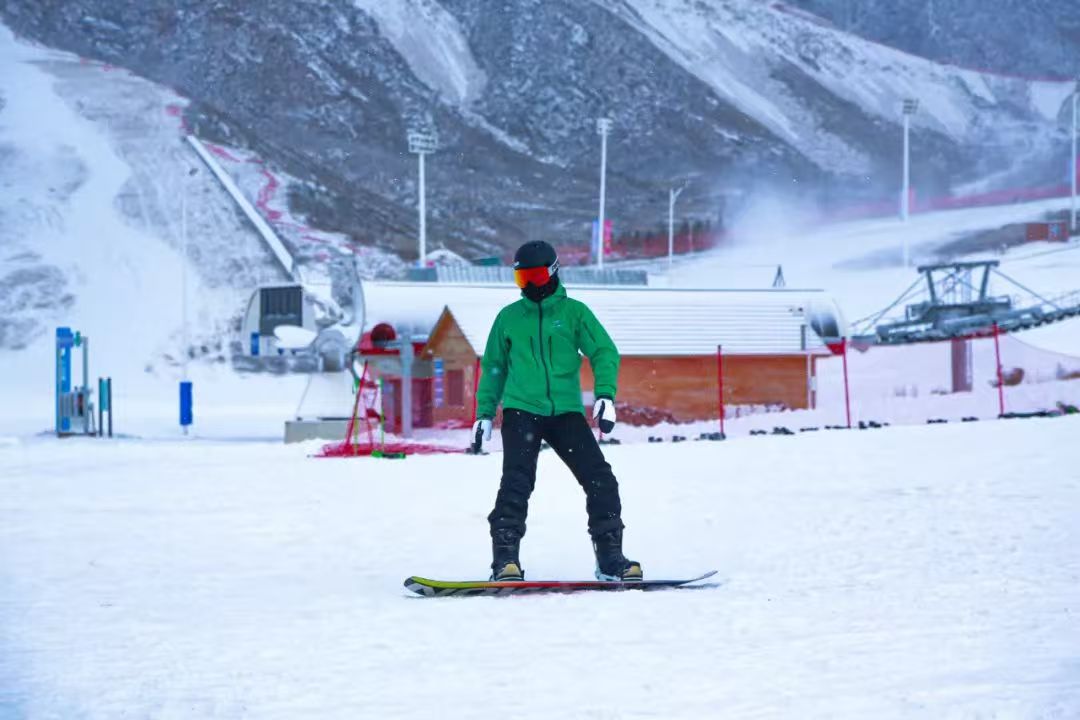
<point>885,574</point>
<point>861,262</point>
<point>94,174</point>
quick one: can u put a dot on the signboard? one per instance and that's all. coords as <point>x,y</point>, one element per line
<point>437,364</point>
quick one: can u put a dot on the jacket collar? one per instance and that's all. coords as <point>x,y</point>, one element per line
<point>558,296</point>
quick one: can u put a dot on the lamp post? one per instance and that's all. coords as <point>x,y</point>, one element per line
<point>420,144</point>
<point>185,384</point>
<point>603,127</point>
<point>911,106</point>
<point>1075,99</point>
<point>673,195</point>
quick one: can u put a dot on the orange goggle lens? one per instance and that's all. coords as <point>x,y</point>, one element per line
<point>537,276</point>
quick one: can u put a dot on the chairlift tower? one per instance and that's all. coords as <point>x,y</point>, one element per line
<point>960,305</point>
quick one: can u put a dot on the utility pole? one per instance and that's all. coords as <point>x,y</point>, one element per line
<point>420,144</point>
<point>185,385</point>
<point>911,106</point>
<point>603,127</point>
<point>183,281</point>
<point>673,195</point>
<point>1075,98</point>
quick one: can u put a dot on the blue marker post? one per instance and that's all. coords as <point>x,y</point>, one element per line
<point>186,409</point>
<point>65,340</point>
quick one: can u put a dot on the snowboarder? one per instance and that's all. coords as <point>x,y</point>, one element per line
<point>532,364</point>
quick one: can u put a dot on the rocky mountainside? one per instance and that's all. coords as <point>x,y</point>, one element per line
<point>738,97</point>
<point>1039,38</point>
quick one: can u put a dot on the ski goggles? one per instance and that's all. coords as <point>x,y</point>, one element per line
<point>538,276</point>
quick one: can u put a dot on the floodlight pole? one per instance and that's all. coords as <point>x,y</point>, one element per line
<point>673,195</point>
<point>423,212</point>
<point>910,108</point>
<point>1075,98</point>
<point>421,144</point>
<point>185,341</point>
<point>183,281</point>
<point>603,127</point>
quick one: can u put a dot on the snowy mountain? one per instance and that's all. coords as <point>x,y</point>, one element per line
<point>739,96</point>
<point>973,33</point>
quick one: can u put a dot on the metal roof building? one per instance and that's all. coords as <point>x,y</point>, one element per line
<point>667,338</point>
<point>650,322</point>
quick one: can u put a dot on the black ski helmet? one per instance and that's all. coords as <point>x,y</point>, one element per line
<point>535,253</point>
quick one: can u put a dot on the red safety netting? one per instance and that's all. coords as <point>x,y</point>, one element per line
<point>364,436</point>
<point>389,449</point>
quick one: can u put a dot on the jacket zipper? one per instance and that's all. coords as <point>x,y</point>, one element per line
<point>547,376</point>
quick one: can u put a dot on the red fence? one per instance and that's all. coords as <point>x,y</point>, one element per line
<point>636,247</point>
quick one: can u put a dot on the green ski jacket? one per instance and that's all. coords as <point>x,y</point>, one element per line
<point>532,359</point>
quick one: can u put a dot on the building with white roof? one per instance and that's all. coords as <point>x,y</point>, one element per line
<point>668,339</point>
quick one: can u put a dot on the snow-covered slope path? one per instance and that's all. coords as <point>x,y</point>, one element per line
<point>887,574</point>
<point>860,262</point>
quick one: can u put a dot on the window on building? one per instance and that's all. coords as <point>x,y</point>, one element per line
<point>280,306</point>
<point>455,388</point>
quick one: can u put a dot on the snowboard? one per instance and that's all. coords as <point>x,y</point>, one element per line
<point>444,588</point>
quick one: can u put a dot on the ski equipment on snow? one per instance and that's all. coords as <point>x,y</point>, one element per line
<point>443,588</point>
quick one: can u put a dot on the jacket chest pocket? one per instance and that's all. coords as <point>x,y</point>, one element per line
<point>522,350</point>
<point>563,353</point>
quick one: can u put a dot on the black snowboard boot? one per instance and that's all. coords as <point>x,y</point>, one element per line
<point>505,564</point>
<point>611,564</point>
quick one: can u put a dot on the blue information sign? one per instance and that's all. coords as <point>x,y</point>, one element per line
<point>438,383</point>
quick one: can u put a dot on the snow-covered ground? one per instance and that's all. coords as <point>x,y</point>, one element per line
<point>921,572</point>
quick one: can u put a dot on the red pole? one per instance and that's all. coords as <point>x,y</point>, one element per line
<point>475,390</point>
<point>847,388</point>
<point>720,383</point>
<point>1000,374</point>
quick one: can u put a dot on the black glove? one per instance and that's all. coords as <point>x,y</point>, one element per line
<point>604,414</point>
<point>481,432</point>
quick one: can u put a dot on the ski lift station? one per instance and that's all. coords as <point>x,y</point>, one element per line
<point>291,327</point>
<point>424,340</point>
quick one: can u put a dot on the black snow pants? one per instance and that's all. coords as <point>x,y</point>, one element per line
<point>571,438</point>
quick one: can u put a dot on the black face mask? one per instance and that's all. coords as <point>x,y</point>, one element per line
<point>536,294</point>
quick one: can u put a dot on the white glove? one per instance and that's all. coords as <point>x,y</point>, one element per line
<point>604,414</point>
<point>481,430</point>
